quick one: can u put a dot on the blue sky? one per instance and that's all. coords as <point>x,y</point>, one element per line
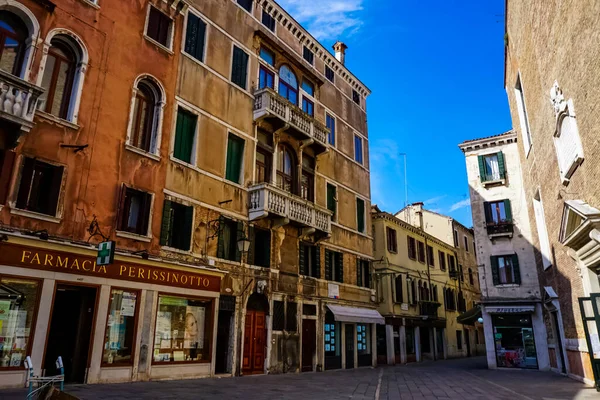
<point>435,68</point>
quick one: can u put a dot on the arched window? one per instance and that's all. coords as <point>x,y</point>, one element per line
<point>63,73</point>
<point>288,84</point>
<point>286,169</point>
<point>13,34</point>
<point>146,115</point>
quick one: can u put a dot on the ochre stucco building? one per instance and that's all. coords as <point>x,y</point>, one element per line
<point>223,149</point>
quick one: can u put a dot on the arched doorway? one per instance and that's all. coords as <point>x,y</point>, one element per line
<point>255,335</point>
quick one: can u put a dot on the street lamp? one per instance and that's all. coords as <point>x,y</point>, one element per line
<point>243,244</point>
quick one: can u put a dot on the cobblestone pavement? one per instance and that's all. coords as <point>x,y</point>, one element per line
<point>452,379</point>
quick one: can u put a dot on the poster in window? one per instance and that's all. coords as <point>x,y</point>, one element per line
<point>332,348</point>
<point>128,304</point>
<point>326,327</point>
<point>194,328</point>
<point>332,341</point>
<point>327,338</point>
<point>332,333</point>
<point>359,337</point>
<point>327,347</point>
<point>163,325</point>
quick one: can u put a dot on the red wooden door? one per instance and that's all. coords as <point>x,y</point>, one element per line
<point>254,343</point>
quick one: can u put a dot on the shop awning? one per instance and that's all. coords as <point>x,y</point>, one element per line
<point>356,314</point>
<point>510,309</point>
<point>469,317</point>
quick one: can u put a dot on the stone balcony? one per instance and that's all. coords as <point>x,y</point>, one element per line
<point>278,111</point>
<point>18,101</point>
<point>269,201</point>
<point>429,308</point>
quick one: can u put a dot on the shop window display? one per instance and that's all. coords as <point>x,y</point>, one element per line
<point>119,338</point>
<point>18,302</point>
<point>514,341</point>
<point>363,339</point>
<point>183,329</point>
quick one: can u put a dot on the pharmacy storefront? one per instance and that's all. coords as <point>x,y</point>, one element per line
<point>132,320</point>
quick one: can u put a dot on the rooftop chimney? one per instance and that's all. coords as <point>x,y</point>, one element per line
<point>418,206</point>
<point>340,51</point>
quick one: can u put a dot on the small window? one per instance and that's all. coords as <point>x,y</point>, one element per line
<point>399,298</point>
<point>246,4</point>
<point>229,233</point>
<point>159,27</point>
<point>309,309</point>
<point>505,270</point>
<point>332,200</point>
<point>498,212</point>
<point>412,248</point>
<point>263,165</point>
<point>176,228</point>
<point>307,180</point>
<point>334,266</point>
<point>278,315</point>
<point>259,253</point>
<point>239,67</point>
<point>288,84</point>
<point>309,260</point>
<point>268,21</point>
<point>134,211</point>
<point>291,321</point>
<point>421,251</point>
<point>329,74</point>
<point>363,273</point>
<point>456,238</point>
<point>471,280</point>
<point>145,116</point>
<point>492,167</point>
<point>40,186</point>
<point>235,158</point>
<point>360,215</point>
<point>308,87</point>
<point>308,55</point>
<point>459,342</point>
<point>430,259</point>
<point>355,97</point>
<point>308,106</point>
<point>267,56</point>
<point>266,78</point>
<point>185,135</point>
<point>461,276</point>
<point>466,243</point>
<point>392,240</point>
<point>195,35</point>
<point>451,263</point>
<point>442,260</point>
<point>358,150</point>
<point>330,121</point>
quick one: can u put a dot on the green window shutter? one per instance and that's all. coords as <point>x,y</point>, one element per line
<point>186,235</point>
<point>331,195</point>
<point>194,37</point>
<point>328,270</point>
<point>516,269</point>
<point>302,259</point>
<point>481,168</point>
<point>488,212</point>
<point>184,135</point>
<point>339,266</point>
<point>235,155</point>
<point>359,281</point>
<point>495,272</point>
<point>317,262</point>
<point>360,214</point>
<point>252,249</point>
<point>501,166</point>
<point>507,210</point>
<point>165,230</point>
<point>238,236</point>
<point>239,67</point>
<point>369,274</point>
<point>221,242</point>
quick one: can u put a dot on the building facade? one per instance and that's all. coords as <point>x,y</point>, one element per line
<point>511,300</point>
<point>420,295</point>
<point>552,101</point>
<point>226,157</point>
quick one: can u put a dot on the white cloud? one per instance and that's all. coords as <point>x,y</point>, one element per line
<point>434,200</point>
<point>329,19</point>
<point>461,204</point>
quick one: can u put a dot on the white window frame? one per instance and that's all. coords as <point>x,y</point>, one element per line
<point>157,129</point>
<point>523,116</point>
<point>33,32</point>
<point>169,48</point>
<point>302,93</point>
<point>542,230</point>
<point>206,34</point>
<point>242,167</point>
<point>78,79</point>
<point>194,158</point>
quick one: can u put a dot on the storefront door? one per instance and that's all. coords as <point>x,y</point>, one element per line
<point>70,331</point>
<point>349,332</point>
<point>309,343</point>
<point>254,343</point>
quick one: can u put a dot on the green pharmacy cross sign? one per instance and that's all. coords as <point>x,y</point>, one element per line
<point>106,253</point>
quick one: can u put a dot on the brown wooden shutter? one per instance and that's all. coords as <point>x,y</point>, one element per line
<point>25,185</point>
<point>7,161</point>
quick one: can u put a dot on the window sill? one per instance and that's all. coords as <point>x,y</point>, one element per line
<point>507,285</point>
<point>500,235</point>
<point>160,46</point>
<point>57,120</point>
<point>496,182</point>
<point>91,4</point>
<point>35,215</point>
<point>176,250</point>
<point>141,152</point>
<point>134,236</point>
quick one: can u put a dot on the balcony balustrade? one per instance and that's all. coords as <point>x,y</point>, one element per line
<point>428,308</point>
<point>18,101</point>
<point>268,200</point>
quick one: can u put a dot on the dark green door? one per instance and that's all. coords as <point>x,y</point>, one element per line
<point>590,313</point>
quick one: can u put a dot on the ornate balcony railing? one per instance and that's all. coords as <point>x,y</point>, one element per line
<point>428,308</point>
<point>18,100</point>
<point>268,103</point>
<point>266,199</point>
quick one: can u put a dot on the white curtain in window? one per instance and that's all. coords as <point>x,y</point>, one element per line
<point>492,168</point>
